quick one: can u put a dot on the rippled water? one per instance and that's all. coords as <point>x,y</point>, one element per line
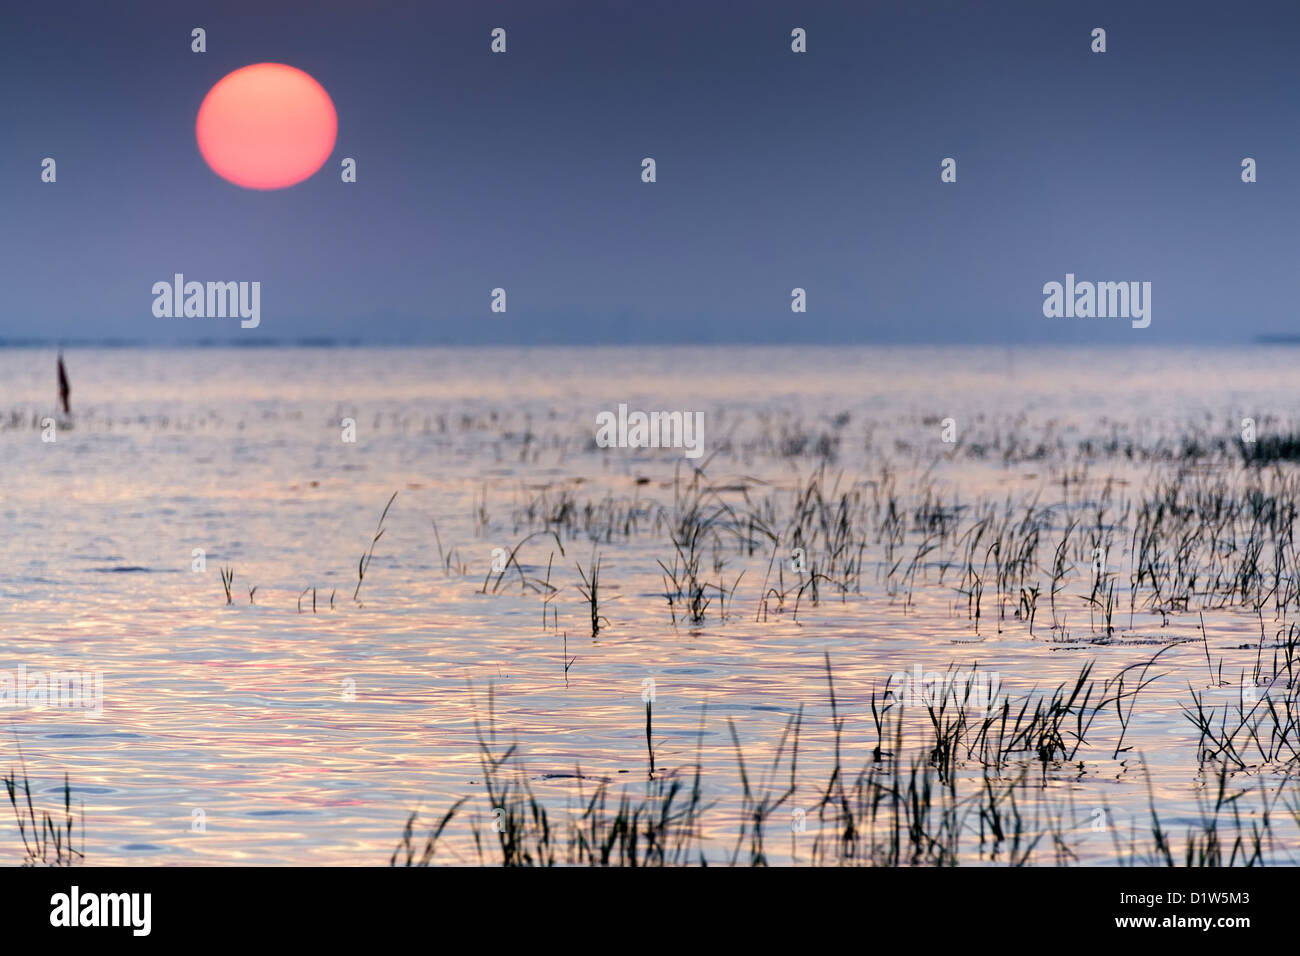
<point>308,737</point>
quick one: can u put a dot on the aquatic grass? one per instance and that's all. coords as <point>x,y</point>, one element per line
<point>1269,730</point>
<point>549,593</point>
<point>684,588</point>
<point>894,811</point>
<point>590,591</point>
<point>47,841</point>
<point>448,559</point>
<point>649,739</point>
<point>513,559</point>
<point>1194,541</point>
<point>363,563</point>
<point>756,808</point>
<point>658,830</point>
<point>566,659</point>
<point>1135,675</point>
<point>406,848</point>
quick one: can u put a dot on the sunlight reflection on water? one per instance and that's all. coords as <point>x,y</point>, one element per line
<point>308,736</point>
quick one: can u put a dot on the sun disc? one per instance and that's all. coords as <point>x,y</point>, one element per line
<point>266,126</point>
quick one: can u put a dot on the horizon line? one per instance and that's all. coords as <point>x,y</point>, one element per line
<point>326,342</point>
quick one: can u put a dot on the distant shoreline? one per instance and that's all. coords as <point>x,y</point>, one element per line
<point>329,343</point>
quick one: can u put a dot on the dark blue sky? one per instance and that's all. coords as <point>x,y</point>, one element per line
<point>775,170</point>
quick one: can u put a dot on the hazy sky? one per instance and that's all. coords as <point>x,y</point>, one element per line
<point>775,170</point>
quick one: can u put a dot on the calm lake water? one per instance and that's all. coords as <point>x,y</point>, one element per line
<point>307,737</point>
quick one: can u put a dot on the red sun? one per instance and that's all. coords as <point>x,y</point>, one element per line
<point>266,126</point>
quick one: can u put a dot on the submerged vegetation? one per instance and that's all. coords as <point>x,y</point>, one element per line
<point>1082,558</point>
<point>956,784</point>
<point>1163,566</point>
<point>47,839</point>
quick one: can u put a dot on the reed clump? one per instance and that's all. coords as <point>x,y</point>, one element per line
<point>950,785</point>
<point>48,838</point>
